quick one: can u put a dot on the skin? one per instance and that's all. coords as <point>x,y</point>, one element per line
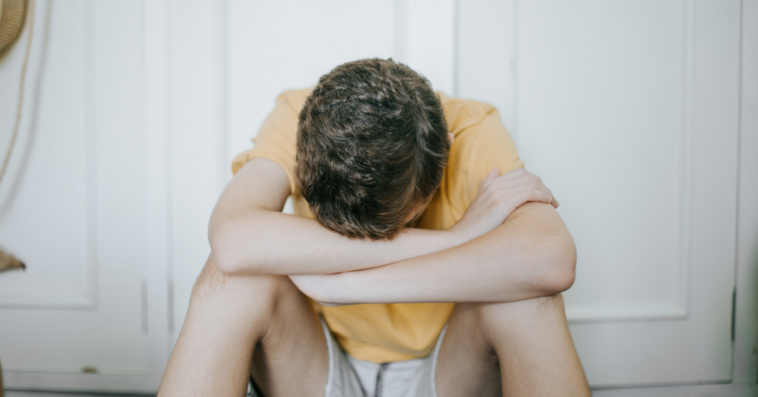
<point>505,263</point>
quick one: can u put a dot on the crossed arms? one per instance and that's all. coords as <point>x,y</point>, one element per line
<point>510,245</point>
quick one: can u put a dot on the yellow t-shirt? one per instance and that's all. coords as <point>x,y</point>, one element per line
<point>402,331</point>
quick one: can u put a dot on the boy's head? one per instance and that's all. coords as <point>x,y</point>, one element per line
<point>372,144</point>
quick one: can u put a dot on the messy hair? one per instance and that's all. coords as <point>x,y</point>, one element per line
<point>371,146</point>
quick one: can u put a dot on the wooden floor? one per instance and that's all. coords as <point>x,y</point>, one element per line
<point>670,391</point>
<point>19,393</point>
<point>682,391</point>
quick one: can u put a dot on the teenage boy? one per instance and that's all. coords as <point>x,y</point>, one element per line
<point>433,262</point>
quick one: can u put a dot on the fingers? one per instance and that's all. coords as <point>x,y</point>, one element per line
<point>517,185</point>
<point>489,178</point>
<point>554,203</point>
<point>516,173</point>
<point>493,174</point>
<point>532,195</point>
<point>520,194</point>
<point>517,178</point>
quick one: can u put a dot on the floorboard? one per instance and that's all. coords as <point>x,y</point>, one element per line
<point>668,391</point>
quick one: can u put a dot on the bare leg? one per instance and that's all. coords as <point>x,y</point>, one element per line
<point>229,318</point>
<point>526,344</point>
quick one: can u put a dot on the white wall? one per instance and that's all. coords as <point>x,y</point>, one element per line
<point>141,106</point>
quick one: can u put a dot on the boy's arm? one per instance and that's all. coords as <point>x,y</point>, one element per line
<point>530,255</point>
<point>250,235</point>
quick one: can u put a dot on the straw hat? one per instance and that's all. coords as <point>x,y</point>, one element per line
<point>11,20</point>
<point>12,15</point>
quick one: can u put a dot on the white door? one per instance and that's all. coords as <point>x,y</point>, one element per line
<point>272,46</point>
<point>629,112</point>
<point>75,207</point>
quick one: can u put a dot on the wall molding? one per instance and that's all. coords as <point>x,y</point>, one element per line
<point>625,313</point>
<point>686,131</point>
<point>745,353</point>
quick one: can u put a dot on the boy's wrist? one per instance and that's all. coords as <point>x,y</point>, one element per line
<point>344,287</point>
<point>456,236</point>
<point>355,287</point>
<point>338,289</point>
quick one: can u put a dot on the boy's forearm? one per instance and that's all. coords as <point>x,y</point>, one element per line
<point>249,234</point>
<point>516,261</point>
<point>269,242</point>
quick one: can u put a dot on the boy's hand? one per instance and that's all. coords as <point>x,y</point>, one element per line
<point>498,196</point>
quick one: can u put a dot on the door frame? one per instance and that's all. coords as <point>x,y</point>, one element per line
<point>745,357</point>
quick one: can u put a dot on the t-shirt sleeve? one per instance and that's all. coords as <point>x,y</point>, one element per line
<point>276,140</point>
<point>475,151</point>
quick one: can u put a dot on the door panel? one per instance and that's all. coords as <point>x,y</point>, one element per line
<point>74,205</point>
<point>628,111</point>
<point>63,274</point>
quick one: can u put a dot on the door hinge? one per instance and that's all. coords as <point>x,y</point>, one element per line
<point>170,307</point>
<point>143,306</point>
<point>734,309</point>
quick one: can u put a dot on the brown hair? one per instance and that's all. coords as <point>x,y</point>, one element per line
<point>371,146</point>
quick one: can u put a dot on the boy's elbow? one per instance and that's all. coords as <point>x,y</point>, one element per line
<point>225,260</point>
<point>225,263</point>
<point>561,280</point>
<point>225,251</point>
<point>560,265</point>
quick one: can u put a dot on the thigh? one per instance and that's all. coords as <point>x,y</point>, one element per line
<point>292,358</point>
<point>512,349</point>
<point>536,352</point>
<point>234,321</point>
<point>466,365</point>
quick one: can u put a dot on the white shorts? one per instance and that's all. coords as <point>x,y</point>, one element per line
<point>350,377</point>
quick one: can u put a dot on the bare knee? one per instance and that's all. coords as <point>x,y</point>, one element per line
<point>210,279</point>
<point>539,305</point>
<point>545,303</point>
<point>494,318</point>
<point>258,293</point>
